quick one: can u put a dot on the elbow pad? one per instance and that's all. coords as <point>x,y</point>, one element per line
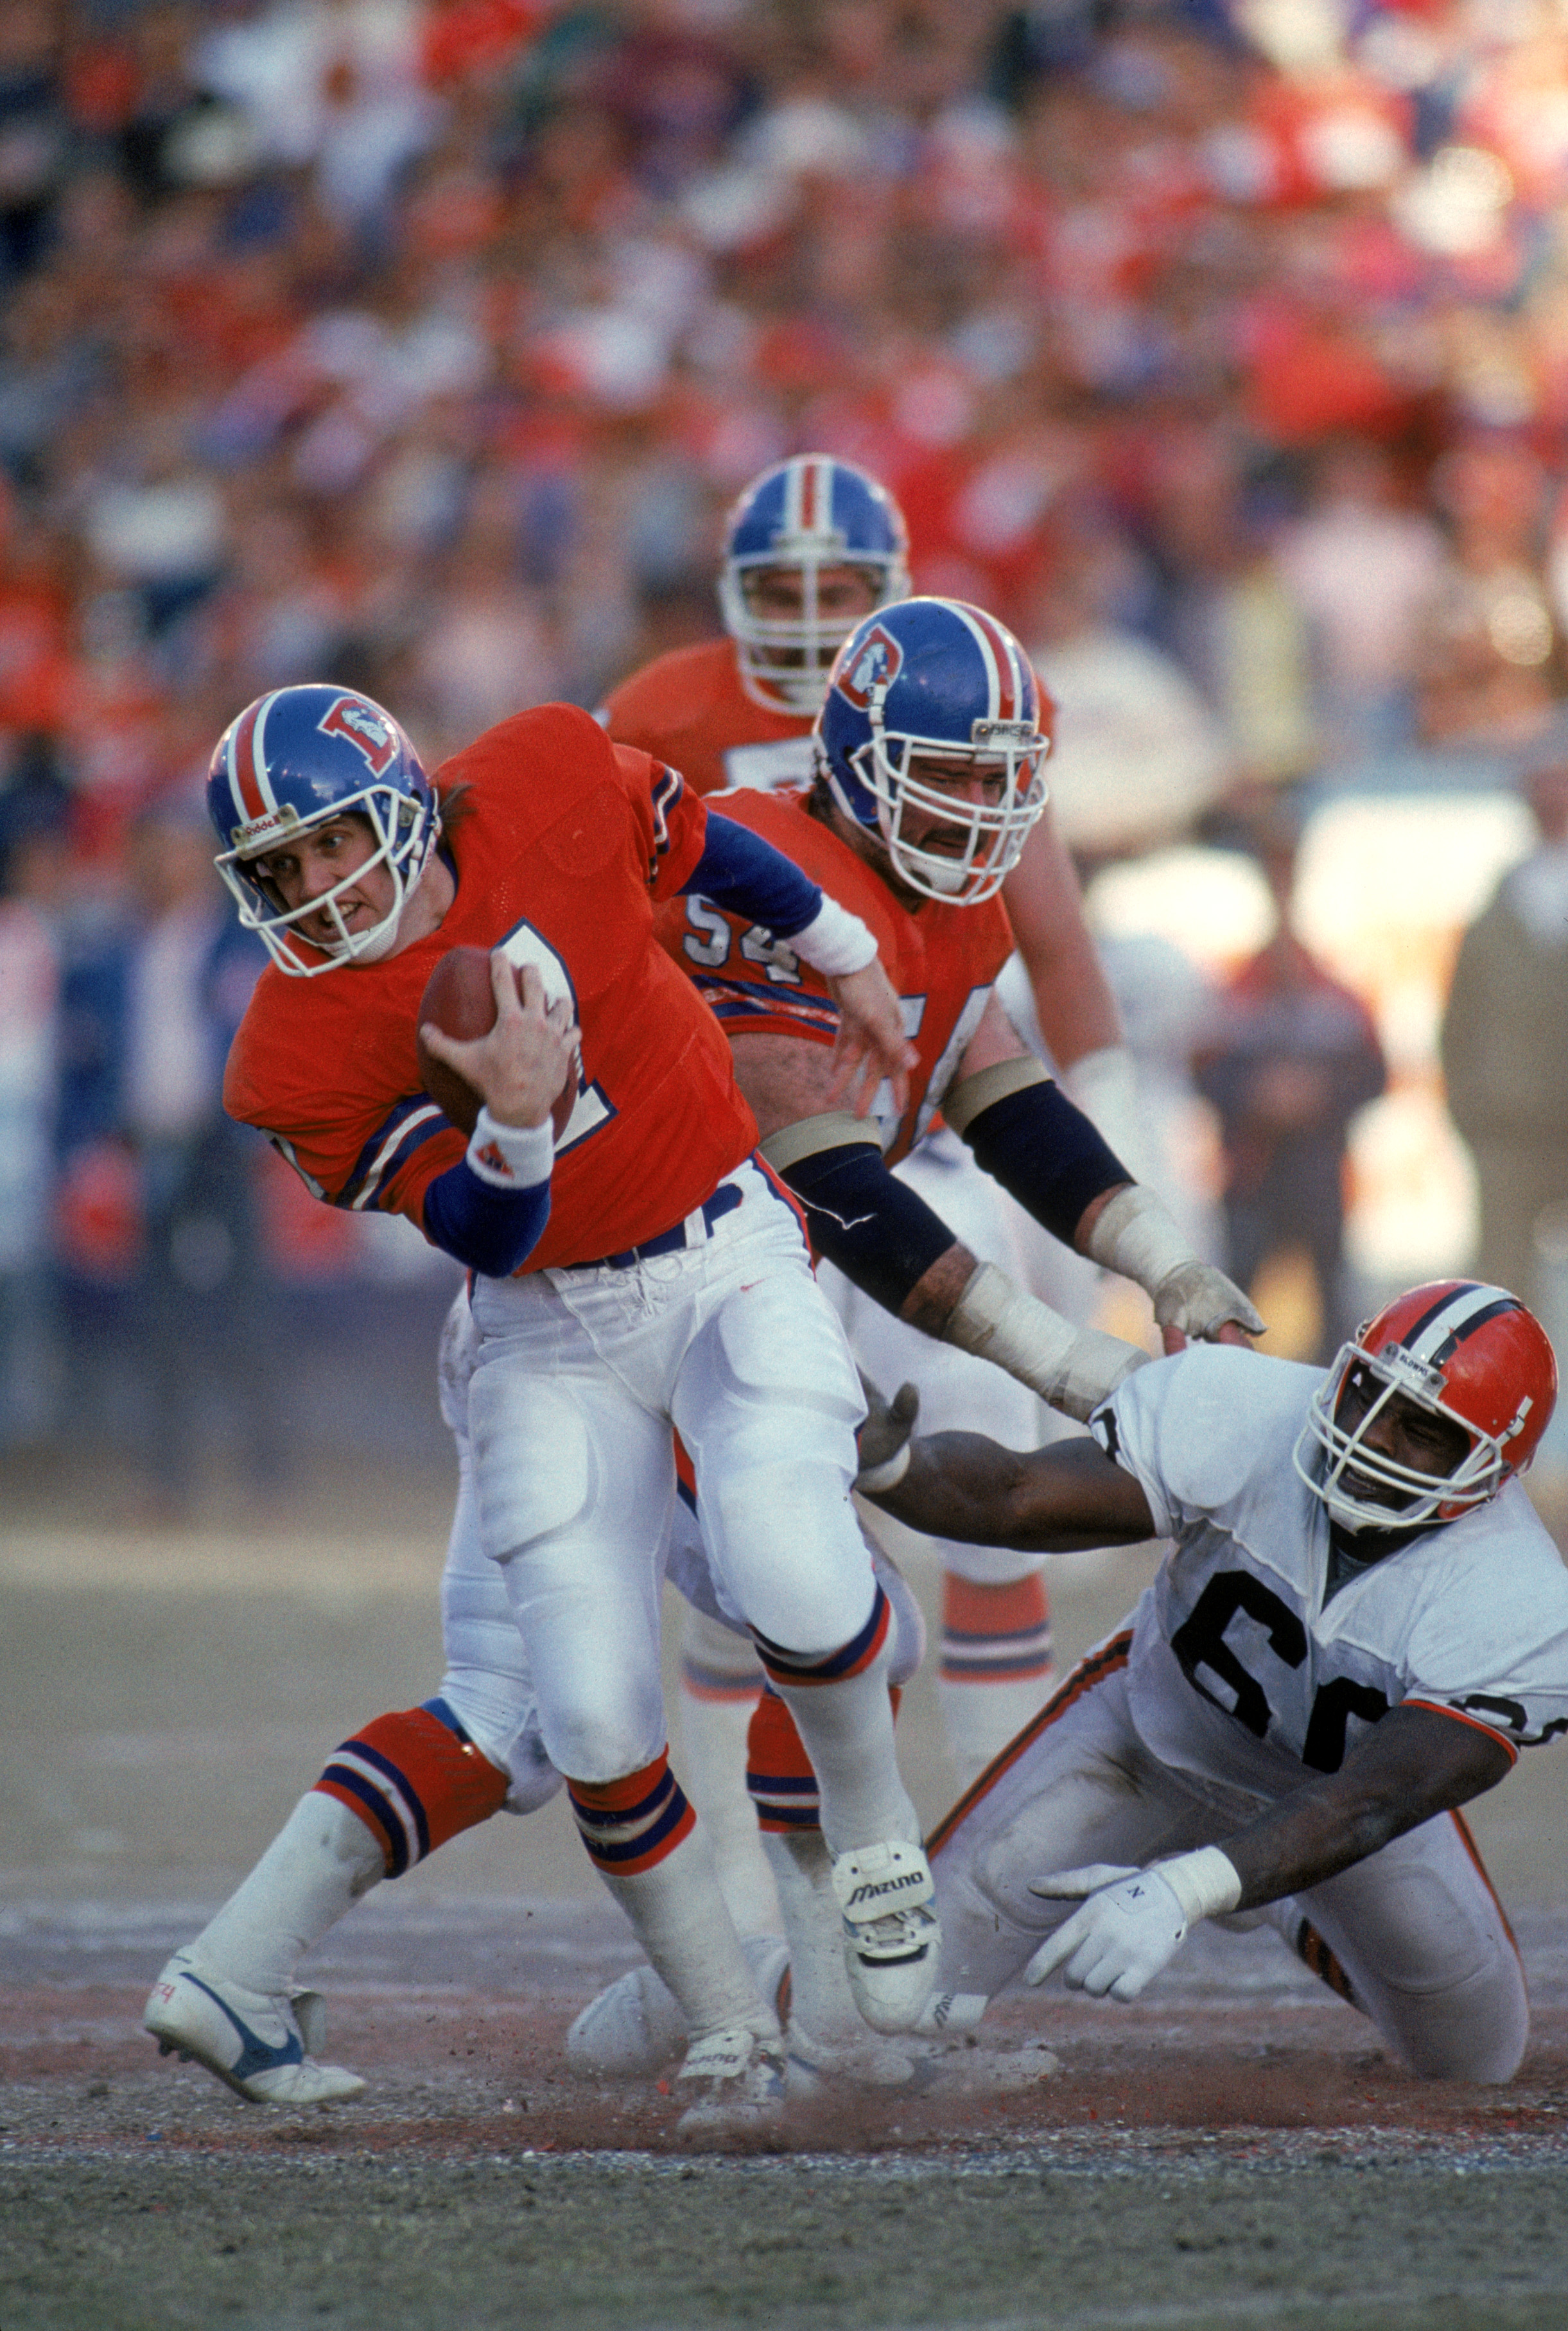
<point>1028,1136</point>
<point>880,1233</point>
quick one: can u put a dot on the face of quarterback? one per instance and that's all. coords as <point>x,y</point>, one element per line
<point>1402,1432</point>
<point>316,862</point>
<point>779,595</point>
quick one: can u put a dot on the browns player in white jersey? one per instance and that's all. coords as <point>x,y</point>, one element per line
<point>1360,1624</point>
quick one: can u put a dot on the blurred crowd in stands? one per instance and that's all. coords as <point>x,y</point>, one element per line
<point>1220,347</point>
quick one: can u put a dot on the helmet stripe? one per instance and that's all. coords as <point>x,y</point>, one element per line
<point>259,752</point>
<point>1009,693</point>
<point>992,659</point>
<point>811,488</point>
<point>1454,1316</point>
<point>242,779</point>
<point>248,779</point>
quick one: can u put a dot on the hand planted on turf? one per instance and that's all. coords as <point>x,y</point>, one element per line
<point>522,1064</point>
<point>871,1043</point>
<point>1131,1927</point>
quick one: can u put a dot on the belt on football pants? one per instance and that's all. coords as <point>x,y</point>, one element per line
<point>692,1232</point>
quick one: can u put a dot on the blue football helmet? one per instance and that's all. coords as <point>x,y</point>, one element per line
<point>292,760</point>
<point>936,679</point>
<point>803,516</point>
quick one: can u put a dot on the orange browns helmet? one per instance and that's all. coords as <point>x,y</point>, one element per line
<point>1469,1353</point>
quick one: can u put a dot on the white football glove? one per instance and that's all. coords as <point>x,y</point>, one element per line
<point>1134,1922</point>
<point>1133,1234</point>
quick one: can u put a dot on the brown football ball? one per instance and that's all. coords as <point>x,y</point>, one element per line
<point>459,1000</point>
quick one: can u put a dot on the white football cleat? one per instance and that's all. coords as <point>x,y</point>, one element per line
<point>634,2027</point>
<point>736,2082</point>
<point>891,1936</point>
<point>818,2067</point>
<point>255,2043</point>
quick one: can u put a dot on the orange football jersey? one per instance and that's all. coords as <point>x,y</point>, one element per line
<point>564,844</point>
<point>690,709</point>
<point>943,960</point>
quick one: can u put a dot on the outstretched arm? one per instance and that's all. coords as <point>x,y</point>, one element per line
<point>1055,1500</point>
<point>1415,1764</point>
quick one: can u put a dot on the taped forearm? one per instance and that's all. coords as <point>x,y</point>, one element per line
<point>1136,1235</point>
<point>489,1209</point>
<point>1028,1136</point>
<point>1072,1369</point>
<point>880,1233</point>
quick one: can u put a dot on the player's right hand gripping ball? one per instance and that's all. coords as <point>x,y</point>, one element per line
<point>461,1001</point>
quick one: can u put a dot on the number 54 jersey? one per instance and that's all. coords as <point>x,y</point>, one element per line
<point>943,960</point>
<point>1242,1667</point>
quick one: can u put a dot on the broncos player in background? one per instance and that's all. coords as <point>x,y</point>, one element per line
<point>633,1270</point>
<point>1360,1624</point>
<point>812,548</point>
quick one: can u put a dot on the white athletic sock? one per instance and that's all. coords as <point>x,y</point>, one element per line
<point>848,1731</point>
<point>980,1718</point>
<point>322,1859</point>
<point>720,1680</point>
<point>677,1915</point>
<point>821,2000</point>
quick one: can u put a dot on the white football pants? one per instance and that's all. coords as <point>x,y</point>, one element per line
<point>1416,1926</point>
<point>579,1376</point>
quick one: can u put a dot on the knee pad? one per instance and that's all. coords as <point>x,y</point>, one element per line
<point>532,1458</point>
<point>415,1779</point>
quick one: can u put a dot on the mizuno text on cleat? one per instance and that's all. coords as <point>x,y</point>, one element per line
<point>731,2081</point>
<point>253,2041</point>
<point>891,1933</point>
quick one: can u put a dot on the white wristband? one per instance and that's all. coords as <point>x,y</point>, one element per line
<point>1204,1883</point>
<point>888,1474</point>
<point>511,1156</point>
<point>1135,1235</point>
<point>834,941</point>
<point>1072,1369</point>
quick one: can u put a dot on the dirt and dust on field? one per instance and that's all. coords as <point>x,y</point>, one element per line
<point>1234,2150</point>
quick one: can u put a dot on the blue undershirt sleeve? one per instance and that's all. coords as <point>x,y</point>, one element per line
<point>486,1229</point>
<point>746,875</point>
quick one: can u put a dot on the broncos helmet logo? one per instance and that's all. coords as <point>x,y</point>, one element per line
<point>352,718</point>
<point>876,664</point>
